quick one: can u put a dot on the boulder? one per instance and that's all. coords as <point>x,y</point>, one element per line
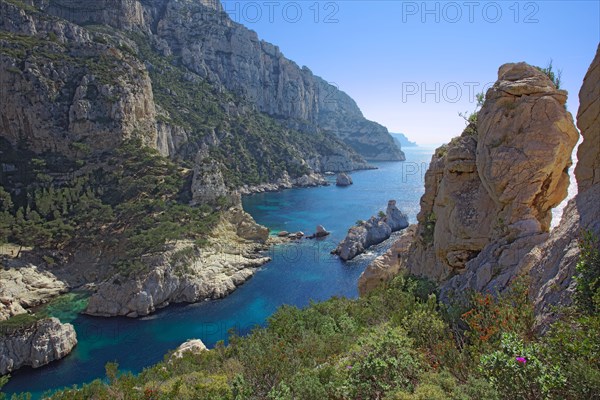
<point>321,232</point>
<point>343,179</point>
<point>194,346</point>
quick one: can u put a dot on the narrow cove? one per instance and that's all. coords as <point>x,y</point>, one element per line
<point>300,272</point>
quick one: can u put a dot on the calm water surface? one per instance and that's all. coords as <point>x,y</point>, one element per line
<point>300,272</point>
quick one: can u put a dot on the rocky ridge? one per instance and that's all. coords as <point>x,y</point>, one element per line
<point>37,345</point>
<point>285,182</point>
<point>371,232</point>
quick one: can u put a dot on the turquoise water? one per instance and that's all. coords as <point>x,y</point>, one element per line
<point>300,272</point>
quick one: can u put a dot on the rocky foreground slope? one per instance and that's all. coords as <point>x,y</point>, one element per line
<point>486,211</point>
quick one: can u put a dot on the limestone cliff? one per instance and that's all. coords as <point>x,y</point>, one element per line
<point>88,79</point>
<point>68,91</point>
<point>230,56</point>
<point>37,345</point>
<point>524,148</point>
<point>489,193</point>
<point>185,272</point>
<point>83,78</point>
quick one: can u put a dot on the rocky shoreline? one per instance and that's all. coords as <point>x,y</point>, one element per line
<point>312,179</point>
<point>187,274</point>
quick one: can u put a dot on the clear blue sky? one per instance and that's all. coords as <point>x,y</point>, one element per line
<point>386,53</point>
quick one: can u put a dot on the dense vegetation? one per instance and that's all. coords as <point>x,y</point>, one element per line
<point>132,200</point>
<point>397,343</point>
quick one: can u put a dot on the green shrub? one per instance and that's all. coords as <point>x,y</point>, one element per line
<point>443,385</point>
<point>517,370</point>
<point>429,228</point>
<point>574,345</point>
<point>555,77</point>
<point>587,294</point>
<point>383,360</point>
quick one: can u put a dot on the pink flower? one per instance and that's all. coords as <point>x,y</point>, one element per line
<point>521,360</point>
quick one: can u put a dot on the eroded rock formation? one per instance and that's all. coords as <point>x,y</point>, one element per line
<point>371,232</point>
<point>489,193</point>
<point>37,345</point>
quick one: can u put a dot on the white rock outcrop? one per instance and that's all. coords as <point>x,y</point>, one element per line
<point>39,344</point>
<point>23,286</point>
<point>194,346</point>
<point>186,273</point>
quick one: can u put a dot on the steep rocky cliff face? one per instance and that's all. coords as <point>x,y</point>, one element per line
<point>552,265</point>
<point>45,341</point>
<point>80,87</point>
<point>228,55</point>
<point>587,170</point>
<point>185,272</point>
<point>489,193</point>
<point>67,90</point>
<point>525,141</point>
<point>100,90</point>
